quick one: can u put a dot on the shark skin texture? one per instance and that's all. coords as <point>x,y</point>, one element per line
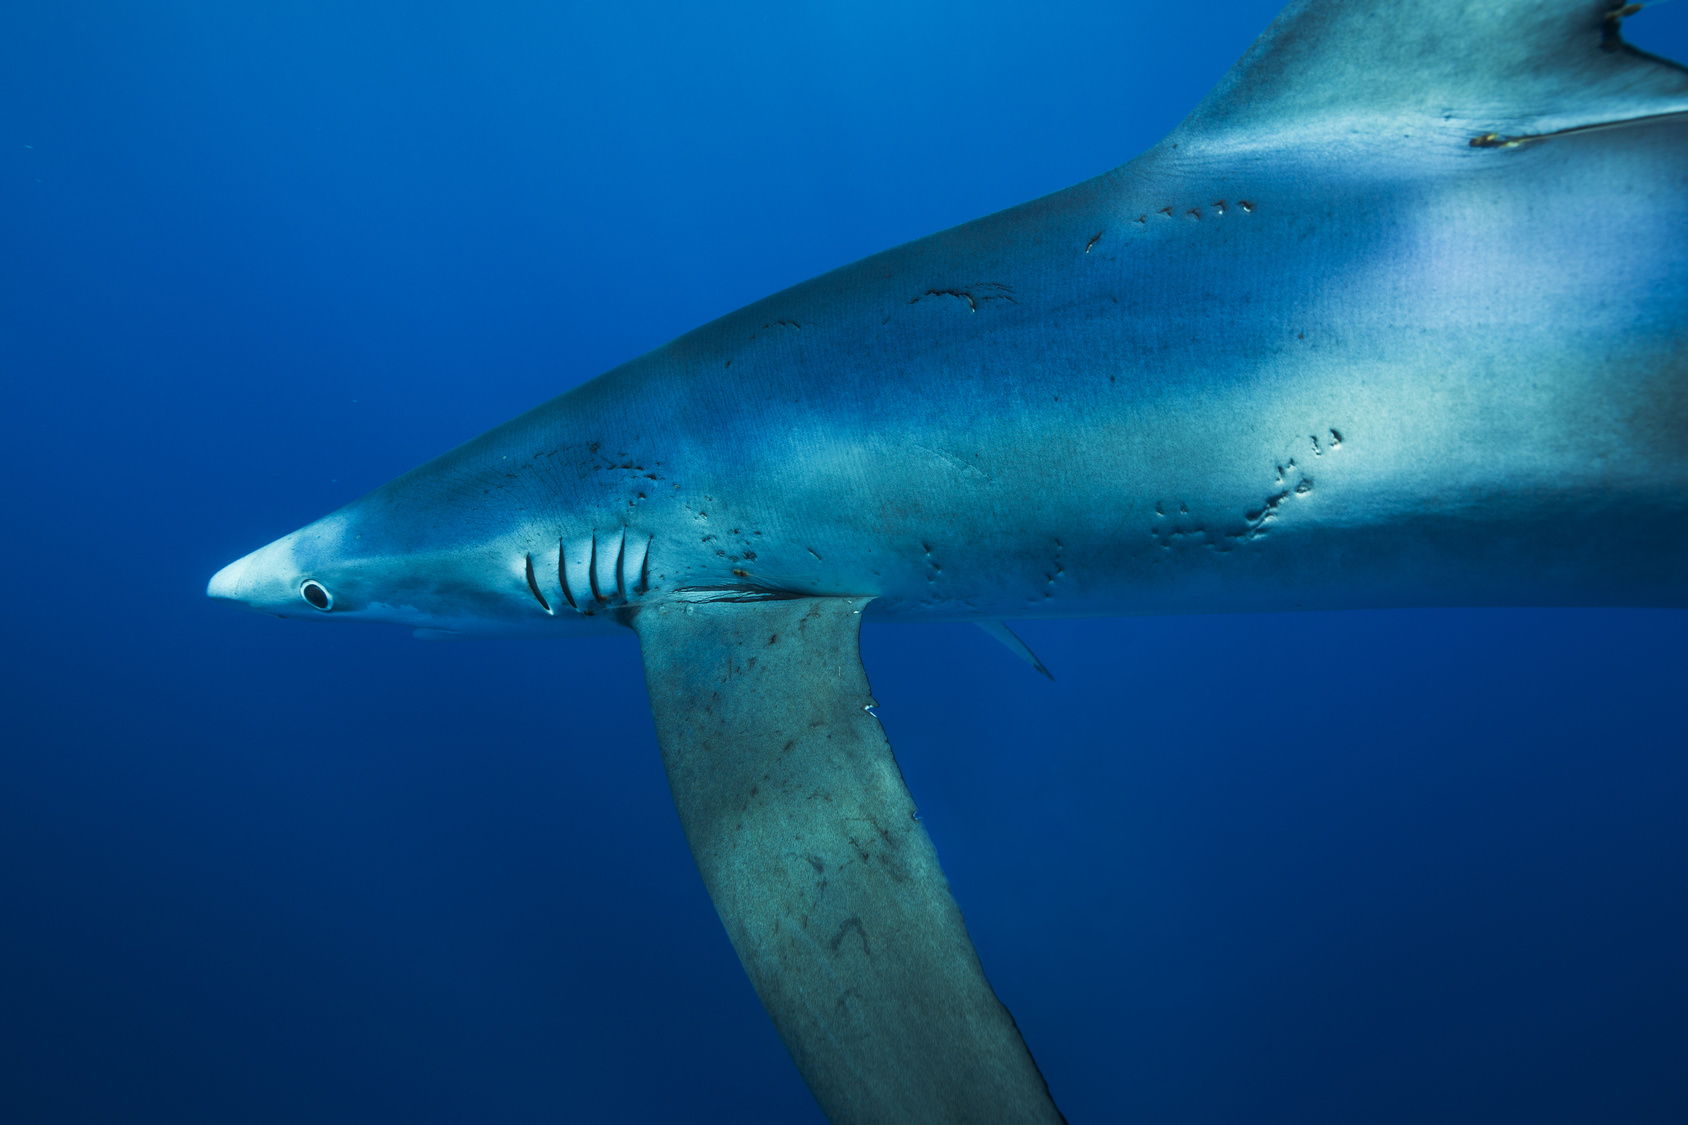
<point>1398,317</point>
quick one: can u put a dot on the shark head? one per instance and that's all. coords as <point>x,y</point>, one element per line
<point>305,574</point>
<point>449,549</point>
<point>347,567</point>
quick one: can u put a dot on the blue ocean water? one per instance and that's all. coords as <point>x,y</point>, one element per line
<point>259,258</point>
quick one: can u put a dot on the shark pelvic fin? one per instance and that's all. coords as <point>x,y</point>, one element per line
<point>1001,631</point>
<point>1490,71</point>
<point>828,885</point>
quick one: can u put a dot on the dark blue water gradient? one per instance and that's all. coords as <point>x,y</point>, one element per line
<point>256,259</point>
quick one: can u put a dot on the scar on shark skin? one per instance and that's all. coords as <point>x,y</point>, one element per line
<point>1291,480</point>
<point>989,291</point>
<point>1219,206</point>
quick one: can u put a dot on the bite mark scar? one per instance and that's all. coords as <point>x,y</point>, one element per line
<point>937,571</point>
<point>1060,572</point>
<point>1259,517</point>
<point>974,295</point>
<point>853,923</point>
<point>1291,480</point>
<point>1219,206</point>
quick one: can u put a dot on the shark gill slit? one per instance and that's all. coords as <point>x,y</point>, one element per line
<point>563,574</point>
<point>533,587</point>
<point>620,558</point>
<point>592,571</point>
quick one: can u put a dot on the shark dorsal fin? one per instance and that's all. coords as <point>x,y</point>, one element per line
<point>1467,71</point>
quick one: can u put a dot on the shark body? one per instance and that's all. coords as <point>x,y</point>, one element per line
<point>1397,318</point>
<point>1317,373</point>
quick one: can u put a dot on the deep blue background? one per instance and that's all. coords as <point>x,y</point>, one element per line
<point>256,259</point>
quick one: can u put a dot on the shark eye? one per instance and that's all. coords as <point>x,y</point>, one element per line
<point>317,594</point>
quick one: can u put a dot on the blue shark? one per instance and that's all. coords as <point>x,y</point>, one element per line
<point>1396,317</point>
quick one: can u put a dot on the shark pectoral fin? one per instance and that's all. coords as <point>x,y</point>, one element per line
<point>828,885</point>
<point>1007,636</point>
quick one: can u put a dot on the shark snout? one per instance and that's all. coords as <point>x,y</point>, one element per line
<point>298,575</point>
<point>226,583</point>
<point>267,580</point>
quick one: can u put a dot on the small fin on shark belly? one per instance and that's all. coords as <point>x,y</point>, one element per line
<point>823,874</point>
<point>1015,645</point>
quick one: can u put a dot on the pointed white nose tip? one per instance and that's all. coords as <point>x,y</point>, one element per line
<point>226,582</point>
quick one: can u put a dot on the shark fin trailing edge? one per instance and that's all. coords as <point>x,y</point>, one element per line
<point>825,878</point>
